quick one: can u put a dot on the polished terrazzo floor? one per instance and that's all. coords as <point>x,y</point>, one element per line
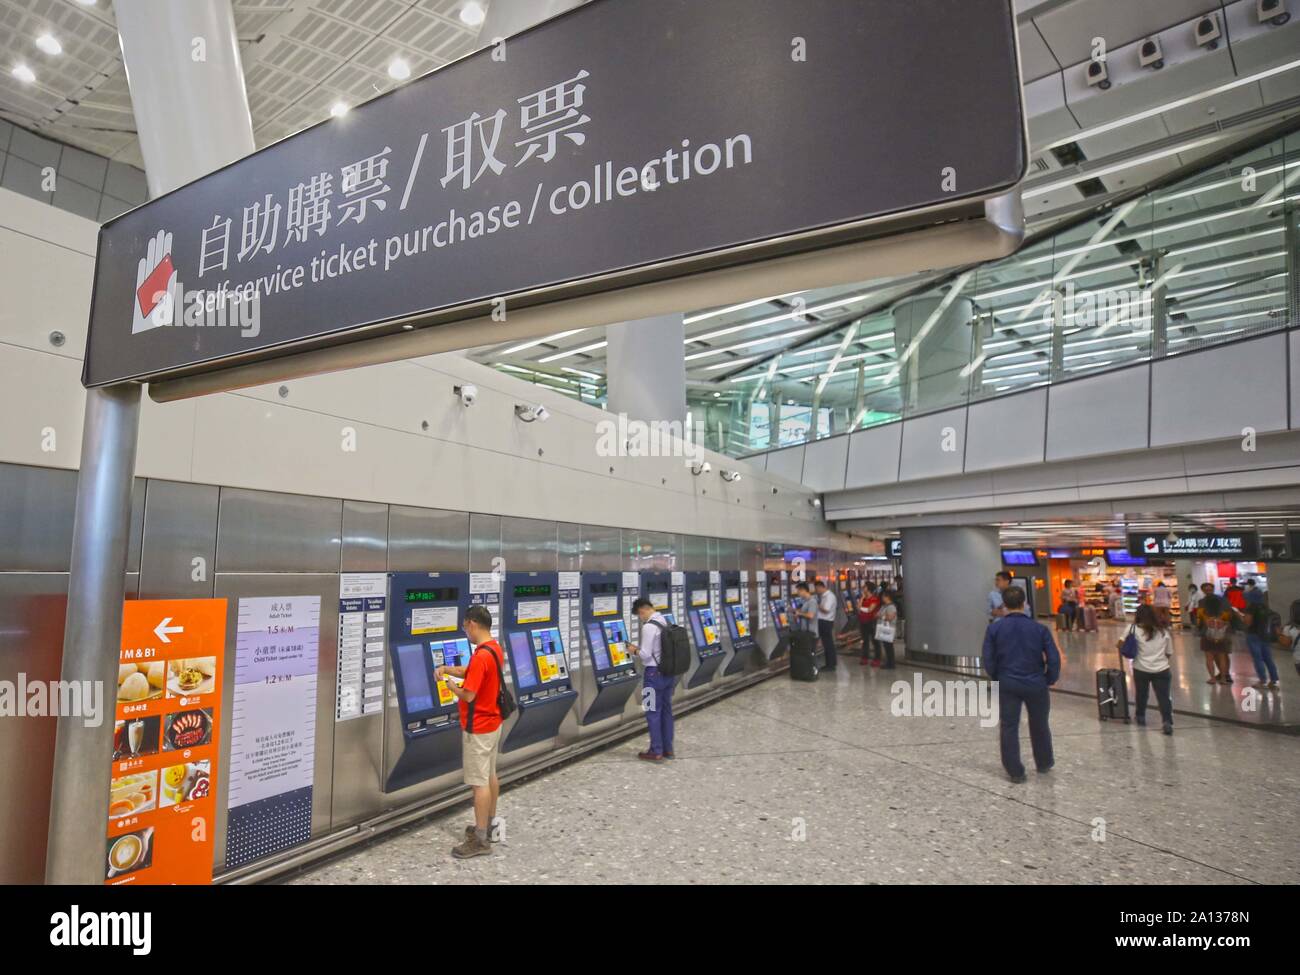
<point>798,783</point>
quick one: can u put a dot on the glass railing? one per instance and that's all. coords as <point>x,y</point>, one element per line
<point>1208,260</point>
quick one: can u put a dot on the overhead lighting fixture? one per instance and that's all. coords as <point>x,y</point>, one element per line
<point>578,351</point>
<point>24,74</point>
<point>398,69</point>
<point>339,109</point>
<point>49,44</point>
<point>536,342</point>
<point>472,14</point>
<point>691,319</point>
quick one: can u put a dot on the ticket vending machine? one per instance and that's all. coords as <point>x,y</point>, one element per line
<point>608,675</point>
<point>532,637</point>
<point>704,627</point>
<point>778,599</point>
<point>426,612</point>
<point>666,597</point>
<point>735,611</point>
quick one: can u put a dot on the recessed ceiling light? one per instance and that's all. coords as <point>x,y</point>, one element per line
<point>472,14</point>
<point>398,69</point>
<point>24,73</point>
<point>86,3</point>
<point>338,108</point>
<point>49,44</point>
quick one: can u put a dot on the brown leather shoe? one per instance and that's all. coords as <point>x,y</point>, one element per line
<point>649,757</point>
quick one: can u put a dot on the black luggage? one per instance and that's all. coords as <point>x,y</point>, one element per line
<point>1112,695</point>
<point>803,655</point>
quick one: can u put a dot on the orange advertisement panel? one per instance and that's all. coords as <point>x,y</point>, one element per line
<point>161,807</point>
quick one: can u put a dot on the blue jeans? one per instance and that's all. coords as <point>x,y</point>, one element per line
<point>1262,653</point>
<point>1037,701</point>
<point>658,707</point>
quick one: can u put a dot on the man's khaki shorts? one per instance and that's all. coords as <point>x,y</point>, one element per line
<point>479,756</point>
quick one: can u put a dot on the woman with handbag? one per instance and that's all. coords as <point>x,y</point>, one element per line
<point>1150,646</point>
<point>886,623</point>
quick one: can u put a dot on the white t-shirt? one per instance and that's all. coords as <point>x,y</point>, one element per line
<point>1153,654</point>
<point>1161,596</point>
<point>826,606</point>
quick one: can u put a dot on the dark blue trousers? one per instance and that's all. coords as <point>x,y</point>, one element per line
<point>658,707</point>
<point>1037,701</point>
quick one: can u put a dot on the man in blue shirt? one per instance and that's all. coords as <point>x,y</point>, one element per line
<point>1020,654</point>
<point>997,608</point>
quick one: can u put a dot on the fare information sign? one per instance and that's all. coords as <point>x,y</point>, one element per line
<point>622,143</point>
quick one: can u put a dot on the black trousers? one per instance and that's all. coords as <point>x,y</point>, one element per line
<point>1142,680</point>
<point>1038,702</point>
<point>826,630</point>
<point>868,631</point>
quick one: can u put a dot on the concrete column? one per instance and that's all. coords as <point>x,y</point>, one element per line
<point>947,576</point>
<point>646,368</point>
<point>191,115</point>
<point>931,377</point>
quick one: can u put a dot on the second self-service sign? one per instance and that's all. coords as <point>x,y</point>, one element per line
<point>621,144</point>
<point>1225,545</point>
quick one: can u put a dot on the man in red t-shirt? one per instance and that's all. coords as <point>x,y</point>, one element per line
<point>480,721</point>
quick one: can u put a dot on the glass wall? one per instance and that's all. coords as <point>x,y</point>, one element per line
<point>1208,260</point>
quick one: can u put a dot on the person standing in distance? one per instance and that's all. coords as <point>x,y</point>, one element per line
<point>480,721</point>
<point>656,688</point>
<point>1020,654</point>
<point>997,609</point>
<point>827,605</point>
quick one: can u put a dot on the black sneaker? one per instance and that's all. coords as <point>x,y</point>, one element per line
<point>1018,779</point>
<point>1168,728</point>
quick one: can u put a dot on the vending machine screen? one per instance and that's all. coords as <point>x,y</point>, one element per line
<point>416,692</point>
<point>706,631</point>
<point>548,649</point>
<point>659,600</point>
<point>616,637</point>
<point>740,625</point>
<point>521,656</point>
<point>448,653</point>
<point>599,652</point>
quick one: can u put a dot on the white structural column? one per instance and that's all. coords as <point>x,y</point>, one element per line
<point>646,368</point>
<point>191,113</point>
<point>187,87</point>
<point>947,576</point>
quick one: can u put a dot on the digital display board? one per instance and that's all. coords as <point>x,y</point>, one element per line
<point>896,548</point>
<point>532,590</point>
<point>447,594</point>
<point>603,588</point>
<point>1120,556</point>
<point>1019,556</point>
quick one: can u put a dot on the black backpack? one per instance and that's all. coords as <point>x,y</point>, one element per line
<point>505,700</point>
<point>674,649</point>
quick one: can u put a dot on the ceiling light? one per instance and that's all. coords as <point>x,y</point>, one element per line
<point>49,44</point>
<point>472,14</point>
<point>398,69</point>
<point>24,74</point>
<point>338,109</point>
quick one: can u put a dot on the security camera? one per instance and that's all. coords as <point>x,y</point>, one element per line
<point>815,502</point>
<point>530,414</point>
<point>1151,54</point>
<point>467,393</point>
<point>1272,12</point>
<point>1098,76</point>
<point>701,467</point>
<point>1208,31</point>
<point>1172,537</point>
<point>731,477</point>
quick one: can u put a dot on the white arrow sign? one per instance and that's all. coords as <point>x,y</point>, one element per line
<point>162,629</point>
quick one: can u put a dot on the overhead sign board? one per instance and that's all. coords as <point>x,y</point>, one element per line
<point>1226,545</point>
<point>621,144</point>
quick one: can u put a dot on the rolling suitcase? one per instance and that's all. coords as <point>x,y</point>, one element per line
<point>1090,619</point>
<point>803,655</point>
<point>1112,695</point>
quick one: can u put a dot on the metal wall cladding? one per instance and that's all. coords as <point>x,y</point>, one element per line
<point>263,532</point>
<point>32,609</point>
<point>728,554</point>
<point>365,537</point>
<point>569,540</point>
<point>180,526</point>
<point>234,586</point>
<point>428,540</point>
<point>39,510</point>
<point>695,553</point>
<point>602,548</point>
<point>484,542</point>
<point>529,545</point>
<point>656,552</point>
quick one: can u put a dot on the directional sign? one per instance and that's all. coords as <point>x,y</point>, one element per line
<point>1205,544</point>
<point>616,147</point>
<point>161,809</point>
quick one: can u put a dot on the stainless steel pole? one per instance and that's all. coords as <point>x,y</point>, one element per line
<point>96,589</point>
